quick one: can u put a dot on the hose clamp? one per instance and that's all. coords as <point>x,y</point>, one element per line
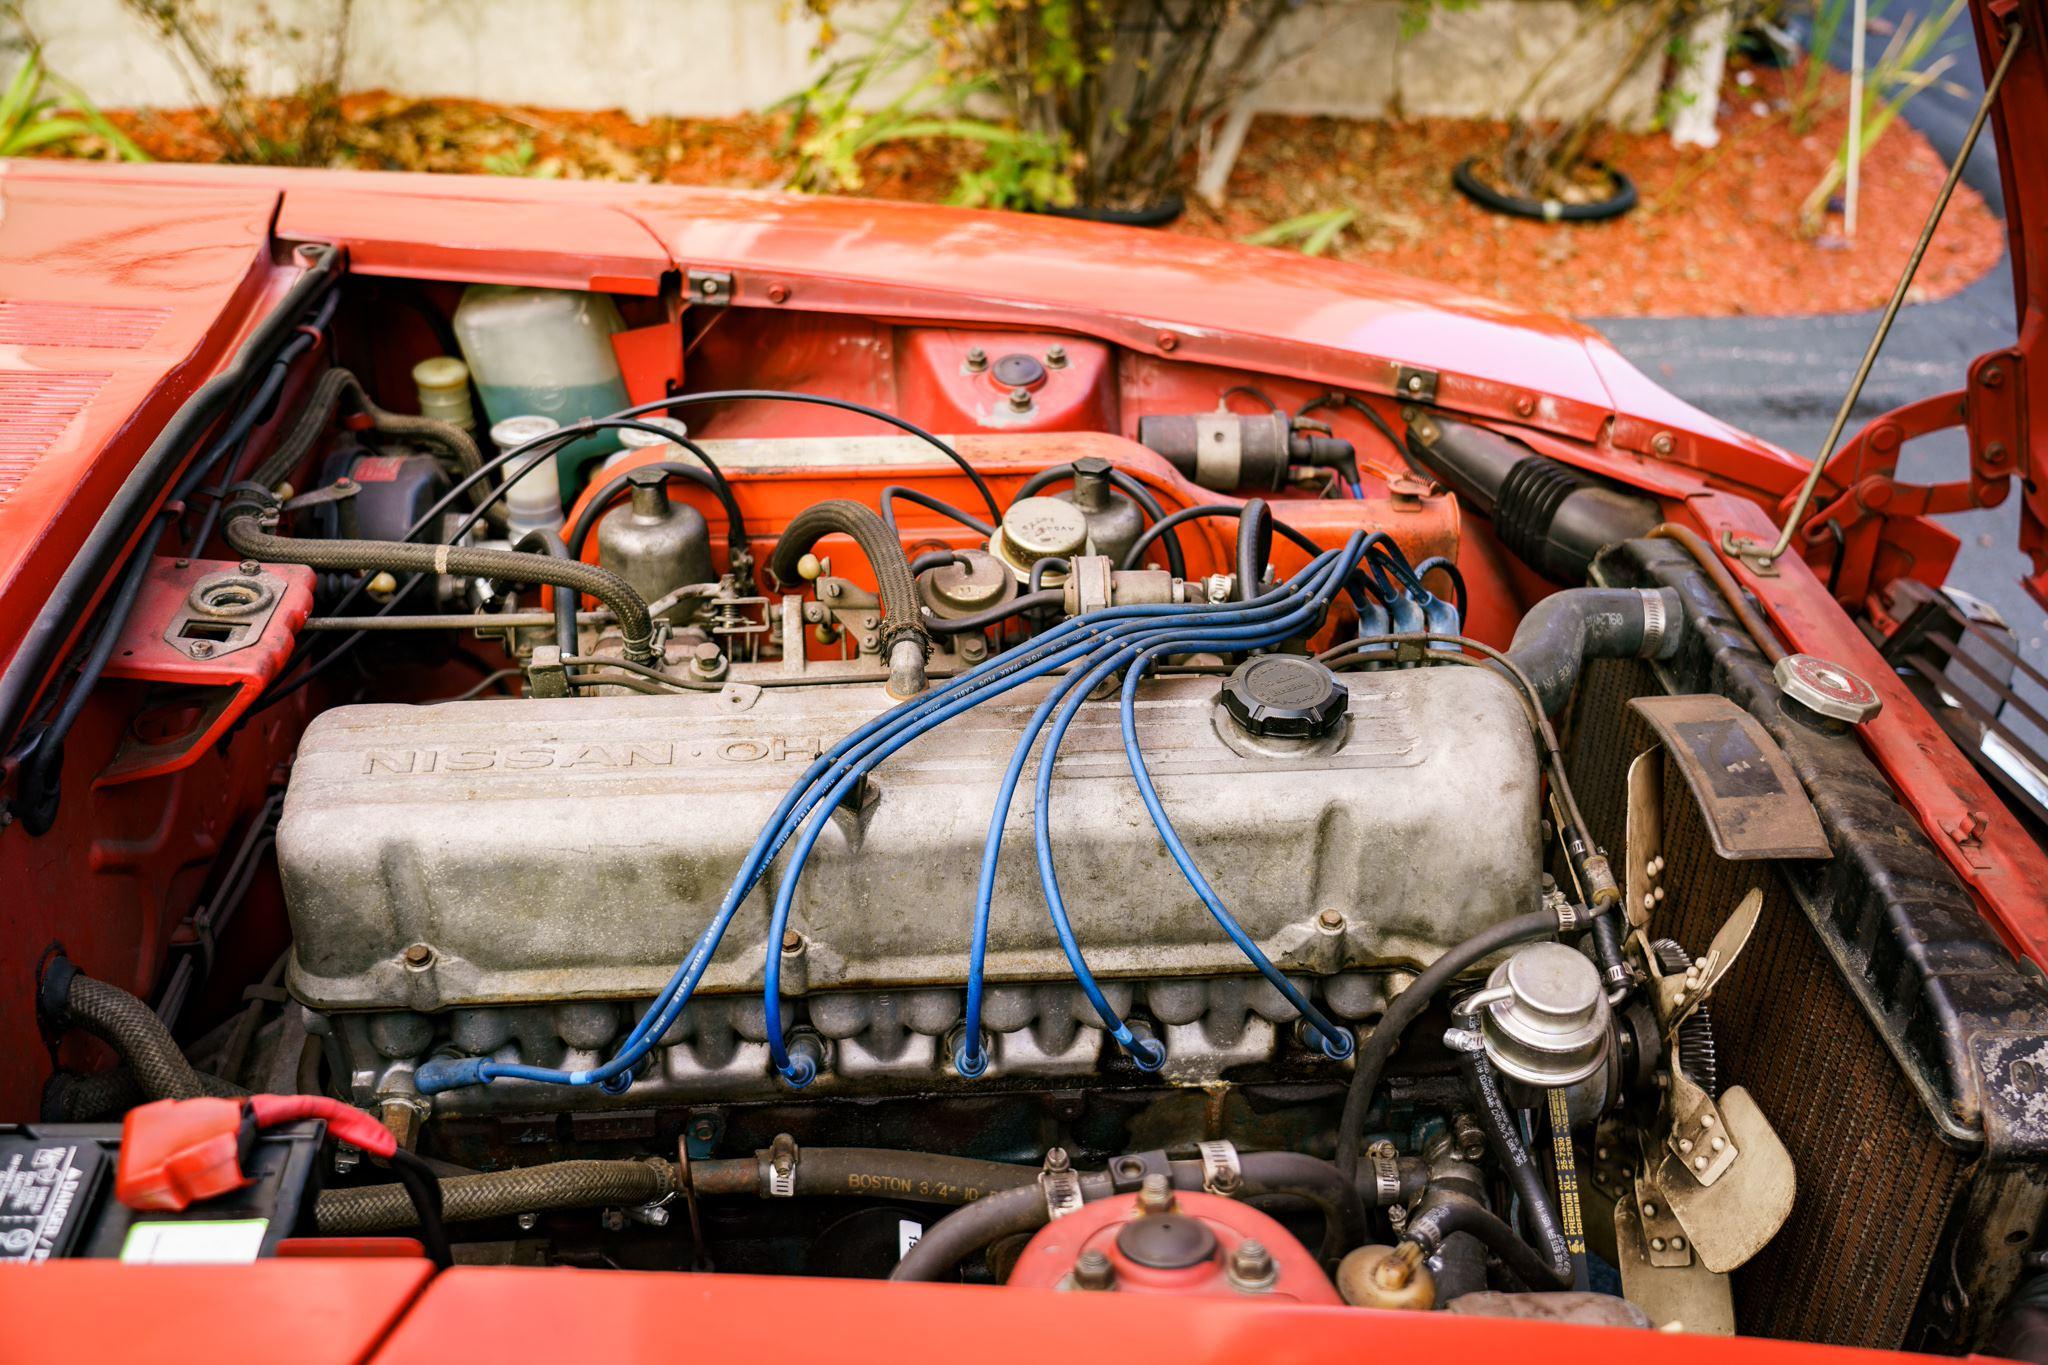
<point>780,1168</point>
<point>1386,1173</point>
<point>1222,1172</point>
<point>1656,623</point>
<point>1061,1183</point>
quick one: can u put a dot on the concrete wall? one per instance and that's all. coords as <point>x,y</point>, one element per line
<point>716,57</point>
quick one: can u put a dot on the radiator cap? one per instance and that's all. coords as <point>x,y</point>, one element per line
<point>1826,688</point>
<point>1285,696</point>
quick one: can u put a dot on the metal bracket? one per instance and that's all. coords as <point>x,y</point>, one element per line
<point>1222,1172</point>
<point>1751,800</point>
<point>1664,1242</point>
<point>545,674</point>
<point>338,491</point>
<point>783,1156</point>
<point>1699,1136</point>
<point>710,288</point>
<point>1415,386</point>
<point>225,612</point>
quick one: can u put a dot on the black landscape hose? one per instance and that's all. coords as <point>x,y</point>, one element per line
<point>1558,634</point>
<point>367,556</point>
<point>1406,1007</point>
<point>894,582</point>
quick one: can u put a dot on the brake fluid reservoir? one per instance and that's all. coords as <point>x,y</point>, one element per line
<point>545,352</point>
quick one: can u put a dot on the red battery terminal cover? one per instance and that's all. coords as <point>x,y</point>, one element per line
<point>176,1153</point>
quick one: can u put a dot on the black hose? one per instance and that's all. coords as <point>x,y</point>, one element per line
<point>1136,554</point>
<point>924,1177</point>
<point>943,508</point>
<point>1560,632</point>
<point>1050,564</point>
<point>971,1229</point>
<point>1254,547</point>
<point>1403,1010</point>
<point>978,1226</point>
<point>901,618</point>
<point>938,559</point>
<point>995,616</point>
<point>688,400</point>
<point>499,1194</point>
<point>736,543</point>
<point>159,1067</point>
<point>1521,1169</point>
<point>1443,1214</point>
<point>1137,492</point>
<point>423,1188</point>
<point>546,542</point>
<point>358,556</point>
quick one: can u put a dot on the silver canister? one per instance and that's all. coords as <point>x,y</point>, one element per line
<point>653,543</point>
<point>1546,1024</point>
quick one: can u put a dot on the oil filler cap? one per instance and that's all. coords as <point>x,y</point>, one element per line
<point>1285,696</point>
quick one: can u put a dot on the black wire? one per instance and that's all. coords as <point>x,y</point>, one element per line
<point>943,508</point>
<point>1138,493</point>
<point>601,501</point>
<point>565,600</point>
<point>1250,391</point>
<point>685,400</point>
<point>1359,405</point>
<point>982,620</point>
<point>1254,547</point>
<point>424,1188</point>
<point>939,559</point>
<point>1136,555</point>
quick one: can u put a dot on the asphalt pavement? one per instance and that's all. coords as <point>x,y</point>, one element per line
<point>1783,378</point>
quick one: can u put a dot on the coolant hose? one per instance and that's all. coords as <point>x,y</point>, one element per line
<point>1565,629</point>
<point>159,1067</point>
<point>902,621</point>
<point>499,1194</point>
<point>1443,1214</point>
<point>318,412</point>
<point>1505,1141</point>
<point>867,1172</point>
<point>1403,1011</point>
<point>980,1225</point>
<point>360,556</point>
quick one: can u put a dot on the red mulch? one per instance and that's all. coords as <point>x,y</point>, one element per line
<point>1716,234</point>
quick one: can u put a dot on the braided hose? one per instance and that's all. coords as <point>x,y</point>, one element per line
<point>499,1194</point>
<point>895,585</point>
<point>318,412</point>
<point>157,1066</point>
<point>355,556</point>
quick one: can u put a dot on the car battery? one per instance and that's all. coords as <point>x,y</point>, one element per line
<point>57,1199</point>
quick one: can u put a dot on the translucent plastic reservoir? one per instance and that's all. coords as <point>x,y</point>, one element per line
<point>548,353</point>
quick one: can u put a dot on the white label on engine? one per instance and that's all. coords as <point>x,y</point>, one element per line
<point>907,1234</point>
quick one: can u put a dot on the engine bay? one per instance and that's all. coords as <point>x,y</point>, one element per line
<point>977,804</point>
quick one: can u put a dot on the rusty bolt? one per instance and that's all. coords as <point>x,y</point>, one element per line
<point>1332,920</point>
<point>1470,1137</point>
<point>977,359</point>
<point>1251,1265</point>
<point>703,1130</point>
<point>778,293</point>
<point>1662,443</point>
<point>418,955</point>
<point>1020,400</point>
<point>1525,406</point>
<point>249,566</point>
<point>1056,1159</point>
<point>614,1220</point>
<point>1093,1270</point>
<point>202,649</point>
<point>1994,454</point>
<point>1168,341</point>
<point>1993,376</point>
<point>792,941</point>
<point>1056,357</point>
<point>1155,1194</point>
